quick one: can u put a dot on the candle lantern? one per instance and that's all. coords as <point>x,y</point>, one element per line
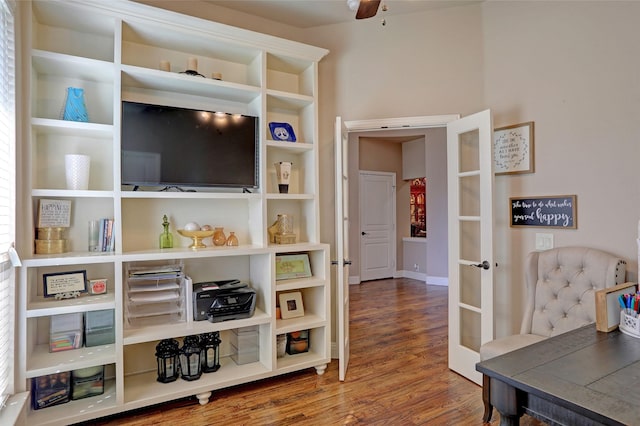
<point>190,352</point>
<point>210,343</point>
<point>167,358</point>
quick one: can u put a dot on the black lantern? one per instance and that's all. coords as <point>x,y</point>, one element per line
<point>190,352</point>
<point>167,358</point>
<point>210,356</point>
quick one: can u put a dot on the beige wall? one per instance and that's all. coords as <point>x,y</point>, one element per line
<point>571,67</point>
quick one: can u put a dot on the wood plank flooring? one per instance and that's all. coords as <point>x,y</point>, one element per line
<point>398,375</point>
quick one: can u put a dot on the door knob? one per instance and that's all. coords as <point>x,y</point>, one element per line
<point>363,233</point>
<point>483,265</point>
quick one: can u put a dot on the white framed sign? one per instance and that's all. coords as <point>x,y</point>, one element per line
<point>54,214</point>
<point>513,149</point>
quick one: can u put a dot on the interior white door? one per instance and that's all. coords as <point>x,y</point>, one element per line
<point>470,202</point>
<point>377,225</point>
<point>342,246</point>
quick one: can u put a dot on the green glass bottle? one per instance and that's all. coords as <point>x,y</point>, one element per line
<point>166,239</point>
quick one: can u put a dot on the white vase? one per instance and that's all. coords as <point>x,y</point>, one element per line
<point>77,171</point>
<point>283,173</point>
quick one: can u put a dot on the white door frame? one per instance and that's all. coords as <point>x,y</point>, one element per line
<point>392,234</point>
<point>393,126</point>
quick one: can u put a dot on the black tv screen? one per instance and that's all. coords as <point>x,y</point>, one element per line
<point>180,147</point>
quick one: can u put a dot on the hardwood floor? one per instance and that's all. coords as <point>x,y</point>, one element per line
<point>398,375</point>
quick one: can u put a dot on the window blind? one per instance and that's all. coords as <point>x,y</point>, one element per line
<point>7,194</point>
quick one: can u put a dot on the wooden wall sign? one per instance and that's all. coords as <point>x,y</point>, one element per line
<point>558,211</point>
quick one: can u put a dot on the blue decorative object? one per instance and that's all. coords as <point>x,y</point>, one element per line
<point>74,107</point>
<point>282,132</point>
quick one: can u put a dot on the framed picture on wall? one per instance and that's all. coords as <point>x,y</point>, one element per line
<point>513,149</point>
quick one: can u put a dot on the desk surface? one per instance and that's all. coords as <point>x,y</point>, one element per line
<point>592,373</point>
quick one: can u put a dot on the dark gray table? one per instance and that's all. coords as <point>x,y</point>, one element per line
<point>583,377</point>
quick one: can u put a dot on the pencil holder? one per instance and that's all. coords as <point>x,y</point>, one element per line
<point>629,324</point>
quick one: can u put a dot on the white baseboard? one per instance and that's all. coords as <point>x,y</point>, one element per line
<point>443,281</point>
<point>413,275</point>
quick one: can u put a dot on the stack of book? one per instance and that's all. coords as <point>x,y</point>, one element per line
<point>106,236</point>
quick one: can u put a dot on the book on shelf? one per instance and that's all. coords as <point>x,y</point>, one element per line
<point>106,240</point>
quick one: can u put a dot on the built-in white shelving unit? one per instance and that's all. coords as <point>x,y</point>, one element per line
<point>112,50</point>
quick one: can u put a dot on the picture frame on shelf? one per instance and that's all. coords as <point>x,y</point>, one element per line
<point>513,149</point>
<point>291,305</point>
<point>289,266</point>
<point>63,283</point>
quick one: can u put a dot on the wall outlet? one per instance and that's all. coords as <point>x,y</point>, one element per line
<point>544,241</point>
<point>416,267</point>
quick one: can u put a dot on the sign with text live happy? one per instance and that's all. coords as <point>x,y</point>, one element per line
<point>551,212</point>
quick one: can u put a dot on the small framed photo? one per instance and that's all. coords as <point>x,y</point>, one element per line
<point>290,266</point>
<point>291,305</point>
<point>513,149</point>
<point>64,283</point>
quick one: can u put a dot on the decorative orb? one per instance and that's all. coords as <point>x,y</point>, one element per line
<point>192,226</point>
<point>206,228</point>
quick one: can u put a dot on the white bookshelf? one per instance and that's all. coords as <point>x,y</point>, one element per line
<point>112,50</point>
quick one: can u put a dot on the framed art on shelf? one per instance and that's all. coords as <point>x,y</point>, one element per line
<point>292,266</point>
<point>291,305</point>
<point>63,283</point>
<point>513,149</point>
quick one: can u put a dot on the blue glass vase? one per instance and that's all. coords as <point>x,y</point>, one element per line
<point>74,107</point>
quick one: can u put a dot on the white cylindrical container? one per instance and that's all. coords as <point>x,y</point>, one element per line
<point>77,171</point>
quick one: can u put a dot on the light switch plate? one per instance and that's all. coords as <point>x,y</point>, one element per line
<point>544,241</point>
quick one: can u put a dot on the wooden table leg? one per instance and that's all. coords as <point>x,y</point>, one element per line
<point>486,398</point>
<point>505,399</point>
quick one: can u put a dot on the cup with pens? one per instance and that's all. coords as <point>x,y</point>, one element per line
<point>630,313</point>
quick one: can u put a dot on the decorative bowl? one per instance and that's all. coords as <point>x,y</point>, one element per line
<point>196,236</point>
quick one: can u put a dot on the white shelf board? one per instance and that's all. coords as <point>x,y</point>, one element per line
<point>187,253</point>
<point>69,258</point>
<point>171,195</point>
<point>59,64</point>
<point>79,410</point>
<point>301,323</point>
<point>290,363</point>
<point>68,193</point>
<point>150,79</point>
<point>290,146</point>
<point>277,196</point>
<point>75,128</point>
<point>143,389</point>
<point>299,283</point>
<point>134,336</point>
<point>41,361</point>
<point>277,99</point>
<point>51,306</point>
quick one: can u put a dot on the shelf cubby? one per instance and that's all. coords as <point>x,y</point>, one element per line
<point>85,33</point>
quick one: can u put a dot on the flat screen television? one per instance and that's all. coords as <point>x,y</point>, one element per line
<point>169,146</point>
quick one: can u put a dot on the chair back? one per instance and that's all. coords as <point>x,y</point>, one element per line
<point>561,285</point>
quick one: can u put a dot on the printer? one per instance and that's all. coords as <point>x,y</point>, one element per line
<point>225,300</point>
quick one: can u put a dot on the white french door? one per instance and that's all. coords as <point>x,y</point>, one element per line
<point>471,260</point>
<point>342,246</point>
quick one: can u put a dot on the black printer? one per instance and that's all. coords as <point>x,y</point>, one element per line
<point>225,300</point>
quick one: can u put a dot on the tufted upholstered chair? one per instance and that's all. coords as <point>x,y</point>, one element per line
<point>560,297</point>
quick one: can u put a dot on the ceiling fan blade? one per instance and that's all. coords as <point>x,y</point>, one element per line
<point>367,9</point>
